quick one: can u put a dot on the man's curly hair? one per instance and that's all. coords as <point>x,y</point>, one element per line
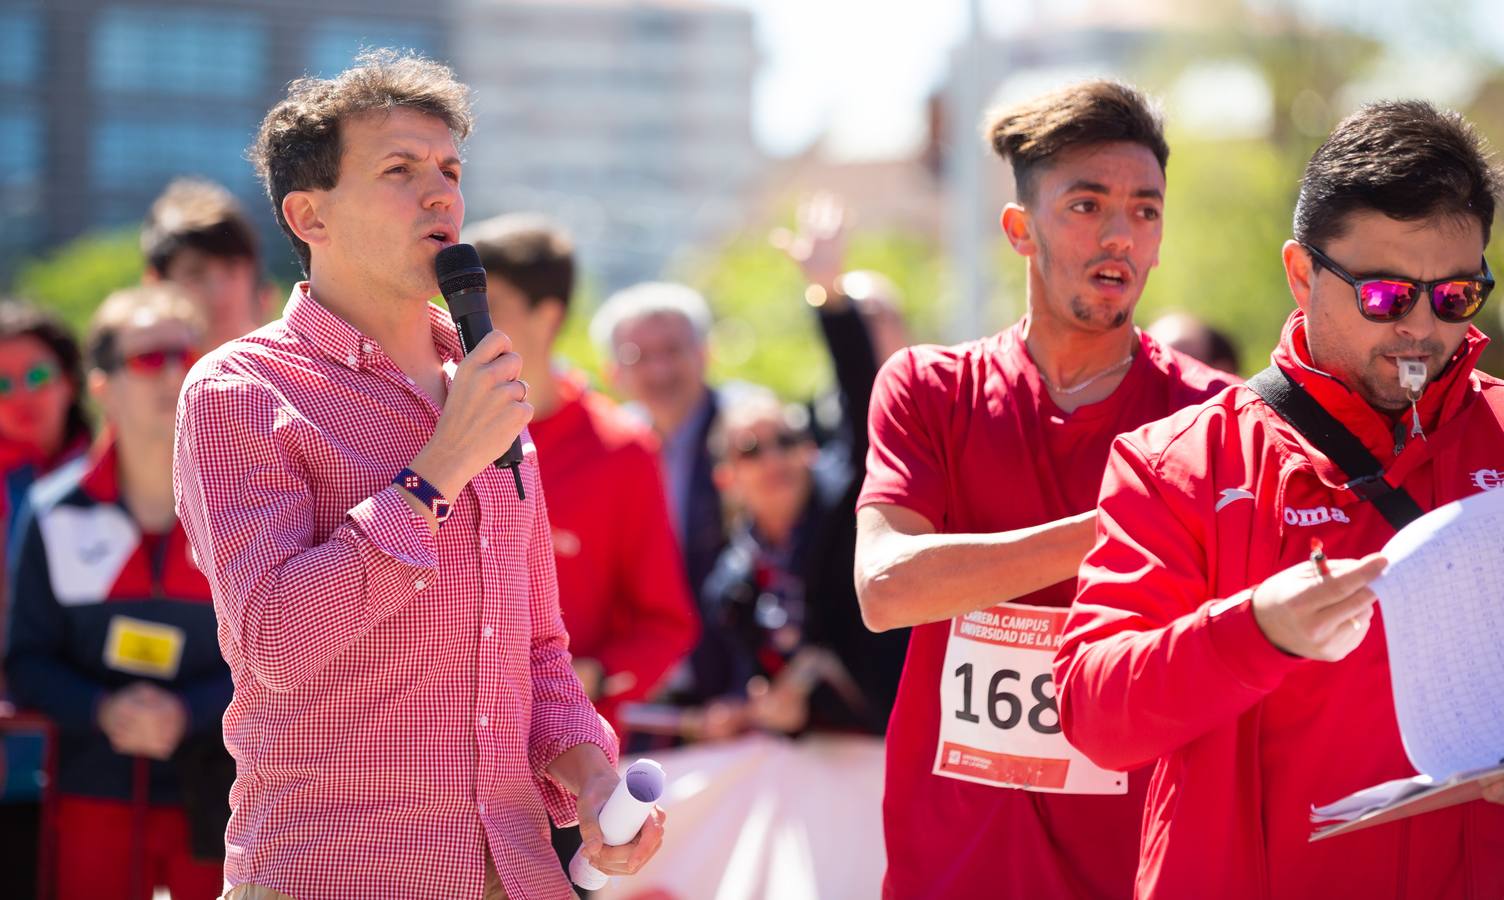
<point>298,145</point>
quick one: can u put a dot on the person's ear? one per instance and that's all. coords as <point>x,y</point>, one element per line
<point>1300,273</point>
<point>98,385</point>
<point>301,210</point>
<point>550,314</point>
<point>1016,222</point>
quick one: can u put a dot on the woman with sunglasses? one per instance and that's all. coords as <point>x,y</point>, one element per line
<point>42,426</point>
<point>42,422</point>
<point>113,634</point>
<point>782,589</point>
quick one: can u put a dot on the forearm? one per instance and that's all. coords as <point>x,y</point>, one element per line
<point>912,579</point>
<point>577,765</point>
<point>1131,696</point>
<point>57,690</point>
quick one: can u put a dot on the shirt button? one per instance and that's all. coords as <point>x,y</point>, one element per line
<point>486,631</point>
<point>482,808</point>
<point>367,347</point>
<point>420,584</point>
<point>483,542</point>
<point>483,721</point>
<point>352,359</point>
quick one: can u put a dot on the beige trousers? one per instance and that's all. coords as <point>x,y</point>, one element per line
<point>494,890</point>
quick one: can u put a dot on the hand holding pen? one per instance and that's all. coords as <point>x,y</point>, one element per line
<point>1318,608</point>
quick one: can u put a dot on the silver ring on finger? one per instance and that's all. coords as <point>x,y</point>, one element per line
<point>524,391</point>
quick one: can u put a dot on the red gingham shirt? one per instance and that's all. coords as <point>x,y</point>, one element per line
<point>398,695</point>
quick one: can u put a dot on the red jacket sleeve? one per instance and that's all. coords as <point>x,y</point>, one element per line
<point>654,620</point>
<point>1150,660</point>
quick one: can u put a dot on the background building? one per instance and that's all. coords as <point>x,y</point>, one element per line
<point>629,120</point>
<point>101,103</point>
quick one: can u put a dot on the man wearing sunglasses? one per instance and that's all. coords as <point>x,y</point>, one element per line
<point>1205,641</point>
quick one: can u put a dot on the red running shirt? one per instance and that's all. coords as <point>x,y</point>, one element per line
<point>967,437</point>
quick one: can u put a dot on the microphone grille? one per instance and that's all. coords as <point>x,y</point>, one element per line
<point>458,269</point>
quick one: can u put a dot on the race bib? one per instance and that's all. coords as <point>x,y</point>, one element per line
<point>999,724</point>
<point>143,648</point>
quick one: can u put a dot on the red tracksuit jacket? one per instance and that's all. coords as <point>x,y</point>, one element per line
<point>1163,660</point>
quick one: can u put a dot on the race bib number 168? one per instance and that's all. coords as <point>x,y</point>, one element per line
<point>999,724</point>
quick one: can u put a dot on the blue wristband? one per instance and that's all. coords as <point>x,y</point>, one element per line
<point>419,487</point>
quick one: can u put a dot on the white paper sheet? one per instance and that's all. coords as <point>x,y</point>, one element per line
<point>1442,601</point>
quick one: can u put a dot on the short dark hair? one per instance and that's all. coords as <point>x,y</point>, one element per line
<point>530,252</point>
<point>1029,134</point>
<point>21,318</point>
<point>196,214</point>
<point>298,145</point>
<point>1405,159</point>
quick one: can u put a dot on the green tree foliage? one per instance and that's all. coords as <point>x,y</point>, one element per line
<point>73,280</point>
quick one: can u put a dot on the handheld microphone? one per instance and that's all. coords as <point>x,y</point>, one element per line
<point>462,281</point>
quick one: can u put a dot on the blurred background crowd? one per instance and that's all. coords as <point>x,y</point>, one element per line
<point>706,226</point>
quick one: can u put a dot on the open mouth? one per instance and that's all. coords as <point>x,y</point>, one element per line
<point>441,237</point>
<point>1111,276</point>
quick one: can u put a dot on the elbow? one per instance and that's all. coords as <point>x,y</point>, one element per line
<point>1101,736</point>
<point>876,593</point>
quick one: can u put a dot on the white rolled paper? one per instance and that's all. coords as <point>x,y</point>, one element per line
<point>621,818</point>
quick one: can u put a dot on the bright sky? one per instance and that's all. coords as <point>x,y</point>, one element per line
<point>863,68</point>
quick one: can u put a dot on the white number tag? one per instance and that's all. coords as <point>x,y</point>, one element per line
<point>998,721</point>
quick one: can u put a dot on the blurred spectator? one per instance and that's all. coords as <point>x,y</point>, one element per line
<point>622,587</point>
<point>653,337</point>
<point>197,236</point>
<point>42,426</point>
<point>1196,339</point>
<point>42,422</point>
<point>783,587</point>
<point>113,632</point>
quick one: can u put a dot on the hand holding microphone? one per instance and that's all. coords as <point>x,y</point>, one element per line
<point>487,404</point>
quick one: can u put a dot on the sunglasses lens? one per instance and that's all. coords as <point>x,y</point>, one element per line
<point>1458,301</point>
<point>146,363</point>
<point>153,361</point>
<point>39,376</point>
<point>1387,300</point>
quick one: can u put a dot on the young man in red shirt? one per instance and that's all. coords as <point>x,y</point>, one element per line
<point>1204,640</point>
<point>978,508</point>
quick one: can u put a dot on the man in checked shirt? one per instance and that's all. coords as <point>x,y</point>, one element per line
<point>405,714</point>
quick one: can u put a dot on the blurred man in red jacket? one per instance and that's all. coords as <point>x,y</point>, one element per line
<point>621,583</point>
<point>1202,636</point>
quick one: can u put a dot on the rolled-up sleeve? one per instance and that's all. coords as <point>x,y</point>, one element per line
<point>245,496</point>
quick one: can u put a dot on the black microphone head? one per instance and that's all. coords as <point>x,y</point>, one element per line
<point>458,269</point>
